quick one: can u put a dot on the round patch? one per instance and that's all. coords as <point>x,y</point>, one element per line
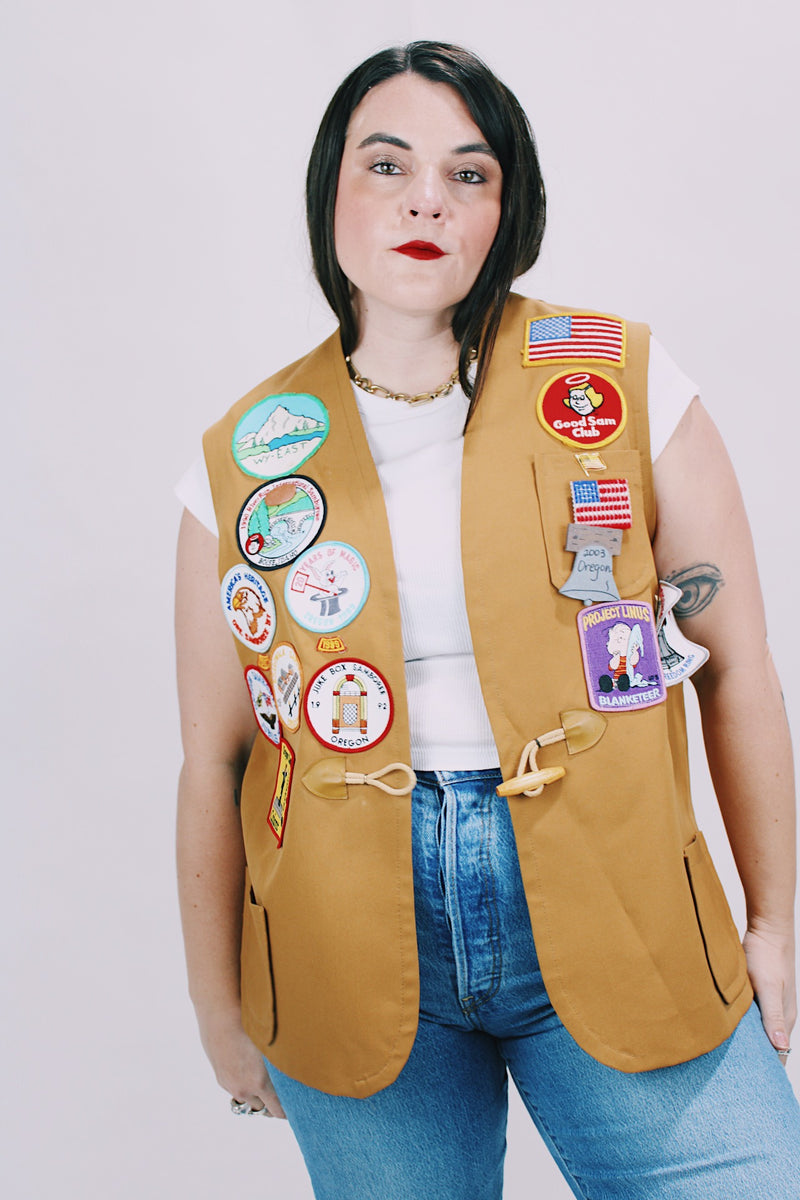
<point>327,587</point>
<point>349,706</point>
<point>249,608</point>
<point>287,680</point>
<point>279,520</point>
<point>582,408</point>
<point>277,435</point>
<point>264,706</point>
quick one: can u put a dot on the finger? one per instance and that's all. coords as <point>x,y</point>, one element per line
<point>273,1104</point>
<point>774,1023</point>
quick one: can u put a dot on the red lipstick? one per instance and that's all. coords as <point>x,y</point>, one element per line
<point>423,250</point>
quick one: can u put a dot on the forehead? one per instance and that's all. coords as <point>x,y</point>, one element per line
<point>409,106</point>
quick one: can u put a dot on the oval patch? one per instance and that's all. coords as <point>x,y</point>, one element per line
<point>276,436</point>
<point>249,608</point>
<point>263,702</point>
<point>582,408</point>
<point>349,706</point>
<point>287,683</point>
<point>279,521</point>
<point>327,587</point>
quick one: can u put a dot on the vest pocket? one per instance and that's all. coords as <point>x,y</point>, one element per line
<point>723,948</point>
<point>634,571</point>
<point>258,997</point>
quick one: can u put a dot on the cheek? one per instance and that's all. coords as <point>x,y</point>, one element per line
<point>484,231</point>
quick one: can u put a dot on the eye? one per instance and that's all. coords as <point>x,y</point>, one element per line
<point>469,175</point>
<point>385,166</point>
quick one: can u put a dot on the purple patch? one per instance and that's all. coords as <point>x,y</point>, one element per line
<point>620,656</point>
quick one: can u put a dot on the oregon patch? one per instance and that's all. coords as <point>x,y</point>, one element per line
<point>348,706</point>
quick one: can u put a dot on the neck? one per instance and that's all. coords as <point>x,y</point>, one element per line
<point>404,352</point>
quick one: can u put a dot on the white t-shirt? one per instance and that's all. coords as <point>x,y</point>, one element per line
<point>417,452</point>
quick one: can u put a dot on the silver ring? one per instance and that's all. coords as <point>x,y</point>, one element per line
<point>784,1053</point>
<point>242,1109</point>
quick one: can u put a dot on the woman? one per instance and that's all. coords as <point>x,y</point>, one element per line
<point>388,965</point>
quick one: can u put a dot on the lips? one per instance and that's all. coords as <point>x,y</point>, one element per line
<point>421,250</point>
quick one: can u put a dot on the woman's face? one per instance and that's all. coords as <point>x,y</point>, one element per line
<point>418,201</point>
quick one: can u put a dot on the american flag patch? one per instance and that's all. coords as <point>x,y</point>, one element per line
<point>605,502</point>
<point>572,336</point>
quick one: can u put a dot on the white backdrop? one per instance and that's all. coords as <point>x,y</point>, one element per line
<point>156,268</point>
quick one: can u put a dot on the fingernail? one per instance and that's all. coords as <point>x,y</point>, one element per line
<point>780,1040</point>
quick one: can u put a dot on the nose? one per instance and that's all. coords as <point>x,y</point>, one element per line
<point>425,196</point>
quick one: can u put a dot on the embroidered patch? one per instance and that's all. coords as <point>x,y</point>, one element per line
<point>583,408</point>
<point>605,502</point>
<point>277,435</point>
<point>567,337</point>
<point>680,658</point>
<point>348,706</point>
<point>327,587</point>
<point>620,656</point>
<point>279,805</point>
<point>263,702</point>
<point>280,520</point>
<point>330,645</point>
<point>287,682</point>
<point>249,608</point>
<point>592,577</point>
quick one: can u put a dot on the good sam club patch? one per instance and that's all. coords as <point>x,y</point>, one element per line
<point>582,408</point>
<point>277,435</point>
<point>349,706</point>
<point>621,661</point>
<point>280,520</point>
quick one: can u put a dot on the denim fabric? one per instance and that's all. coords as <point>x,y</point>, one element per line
<point>724,1126</point>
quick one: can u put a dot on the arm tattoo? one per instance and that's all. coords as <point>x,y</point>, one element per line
<point>699,584</point>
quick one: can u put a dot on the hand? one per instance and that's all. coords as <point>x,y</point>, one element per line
<point>239,1065</point>
<point>770,963</point>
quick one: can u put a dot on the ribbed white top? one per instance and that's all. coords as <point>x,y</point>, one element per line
<point>417,450</point>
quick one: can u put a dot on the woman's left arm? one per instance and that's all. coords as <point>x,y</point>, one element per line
<point>703,545</point>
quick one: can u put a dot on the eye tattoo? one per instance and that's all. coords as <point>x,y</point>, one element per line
<point>699,584</point>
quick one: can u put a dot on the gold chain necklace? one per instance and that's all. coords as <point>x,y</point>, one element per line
<point>375,389</point>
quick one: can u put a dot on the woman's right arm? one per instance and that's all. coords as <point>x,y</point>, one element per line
<point>217,730</point>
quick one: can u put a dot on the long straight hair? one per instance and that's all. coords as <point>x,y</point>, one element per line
<point>503,124</point>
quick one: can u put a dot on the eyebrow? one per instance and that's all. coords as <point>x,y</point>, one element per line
<point>390,140</point>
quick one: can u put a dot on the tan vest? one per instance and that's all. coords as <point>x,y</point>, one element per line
<point>638,951</point>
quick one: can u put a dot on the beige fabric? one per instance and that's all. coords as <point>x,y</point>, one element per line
<point>616,878</point>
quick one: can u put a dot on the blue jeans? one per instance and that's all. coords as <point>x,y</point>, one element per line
<point>724,1126</point>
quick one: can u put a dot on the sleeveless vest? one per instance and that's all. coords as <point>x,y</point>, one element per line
<point>638,951</point>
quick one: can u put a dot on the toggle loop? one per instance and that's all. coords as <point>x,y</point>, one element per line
<point>532,783</point>
<point>375,779</point>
